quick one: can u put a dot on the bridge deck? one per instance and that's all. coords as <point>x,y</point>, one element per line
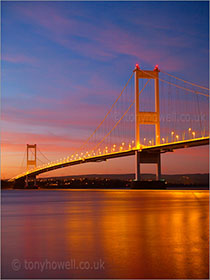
<point>167,147</point>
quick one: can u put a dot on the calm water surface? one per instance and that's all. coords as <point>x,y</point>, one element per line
<point>104,234</point>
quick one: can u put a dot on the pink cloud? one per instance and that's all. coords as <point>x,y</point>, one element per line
<point>19,58</point>
<point>104,43</point>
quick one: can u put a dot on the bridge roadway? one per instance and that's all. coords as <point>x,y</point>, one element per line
<point>162,148</point>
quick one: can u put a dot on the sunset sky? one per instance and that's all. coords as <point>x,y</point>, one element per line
<point>65,63</point>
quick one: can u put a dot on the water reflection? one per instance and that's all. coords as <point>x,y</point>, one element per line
<point>138,234</point>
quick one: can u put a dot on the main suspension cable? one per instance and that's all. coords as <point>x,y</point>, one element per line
<point>184,80</point>
<point>187,89</point>
<point>43,155</point>
<point>107,113</point>
<point>119,119</point>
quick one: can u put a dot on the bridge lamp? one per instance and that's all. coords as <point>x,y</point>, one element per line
<point>172,136</point>
<point>144,140</point>
<point>150,142</point>
<point>123,143</point>
<point>132,142</point>
<point>193,134</point>
<point>177,137</point>
<point>163,139</point>
<point>189,129</point>
<point>129,146</point>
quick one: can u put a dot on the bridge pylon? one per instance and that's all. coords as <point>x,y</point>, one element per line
<point>31,161</point>
<point>147,118</point>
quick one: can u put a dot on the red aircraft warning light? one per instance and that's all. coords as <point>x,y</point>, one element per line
<point>137,66</point>
<point>156,67</point>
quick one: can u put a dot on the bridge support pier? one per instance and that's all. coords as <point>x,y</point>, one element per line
<point>147,158</point>
<point>137,166</point>
<point>158,168</point>
<point>34,181</point>
<point>29,179</point>
<point>26,182</point>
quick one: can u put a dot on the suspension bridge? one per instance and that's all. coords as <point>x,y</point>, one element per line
<point>155,113</point>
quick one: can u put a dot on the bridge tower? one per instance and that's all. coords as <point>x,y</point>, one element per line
<point>147,118</point>
<point>31,160</point>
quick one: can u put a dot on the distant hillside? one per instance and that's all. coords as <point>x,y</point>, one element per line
<point>202,179</point>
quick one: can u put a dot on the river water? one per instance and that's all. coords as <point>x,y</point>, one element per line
<point>105,234</point>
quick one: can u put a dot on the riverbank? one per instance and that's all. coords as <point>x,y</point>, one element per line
<point>103,184</point>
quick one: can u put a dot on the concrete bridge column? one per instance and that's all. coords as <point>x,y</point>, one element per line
<point>34,181</point>
<point>26,182</point>
<point>137,166</point>
<point>158,170</point>
<point>147,158</point>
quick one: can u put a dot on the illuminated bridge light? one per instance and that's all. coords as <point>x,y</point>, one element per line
<point>163,139</point>
<point>150,142</point>
<point>123,143</point>
<point>156,67</point>
<point>137,66</point>
<point>189,129</point>
<point>193,134</point>
<point>132,141</point>
<point>177,137</point>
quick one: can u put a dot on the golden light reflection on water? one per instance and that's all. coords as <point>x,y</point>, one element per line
<point>138,234</point>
